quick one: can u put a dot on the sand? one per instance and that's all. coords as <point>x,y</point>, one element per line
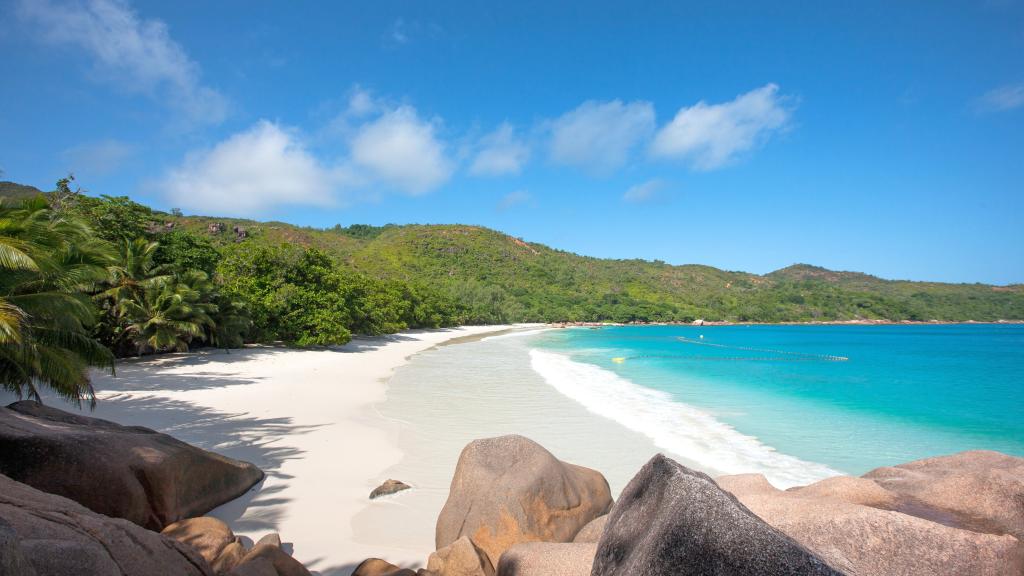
<point>308,418</point>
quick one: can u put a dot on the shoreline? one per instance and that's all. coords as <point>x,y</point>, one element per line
<point>865,322</point>
<point>308,418</point>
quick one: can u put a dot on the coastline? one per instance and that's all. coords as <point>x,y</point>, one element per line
<point>860,322</point>
<point>308,418</point>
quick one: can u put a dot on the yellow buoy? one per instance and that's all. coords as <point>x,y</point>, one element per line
<point>618,360</point>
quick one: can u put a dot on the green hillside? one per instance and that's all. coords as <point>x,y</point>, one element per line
<point>508,279</point>
<point>17,191</point>
<point>498,278</point>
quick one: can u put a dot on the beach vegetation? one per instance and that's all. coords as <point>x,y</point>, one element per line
<point>88,278</point>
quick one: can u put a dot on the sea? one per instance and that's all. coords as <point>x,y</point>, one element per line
<point>796,403</point>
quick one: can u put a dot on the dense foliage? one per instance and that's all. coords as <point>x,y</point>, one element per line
<point>48,265</point>
<point>86,278</point>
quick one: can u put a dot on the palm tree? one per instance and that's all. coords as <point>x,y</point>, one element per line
<point>49,261</point>
<point>171,313</point>
<point>132,275</point>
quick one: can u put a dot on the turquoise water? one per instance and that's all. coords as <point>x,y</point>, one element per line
<point>821,399</point>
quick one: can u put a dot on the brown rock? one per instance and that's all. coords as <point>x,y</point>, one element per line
<point>460,558</point>
<point>12,559</point>
<point>284,564</point>
<point>849,489</point>
<point>230,556</point>
<point>509,489</point>
<point>207,535</point>
<point>272,539</point>
<point>255,567</point>
<point>870,541</point>
<point>547,558</point>
<point>388,487</point>
<point>591,533</point>
<point>59,537</point>
<point>378,567</point>
<point>980,490</point>
<point>125,472</point>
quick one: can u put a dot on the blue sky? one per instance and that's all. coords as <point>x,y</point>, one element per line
<point>882,137</point>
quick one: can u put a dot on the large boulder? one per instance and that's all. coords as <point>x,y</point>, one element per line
<point>12,559</point>
<point>59,537</point>
<point>281,561</point>
<point>982,490</point>
<point>671,520</point>
<point>219,547</point>
<point>460,558</point>
<point>870,541</point>
<point>547,559</point>
<point>378,567</point>
<point>591,533</point>
<point>206,535</point>
<point>126,472</point>
<point>509,489</point>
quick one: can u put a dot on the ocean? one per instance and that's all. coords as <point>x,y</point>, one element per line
<point>796,403</point>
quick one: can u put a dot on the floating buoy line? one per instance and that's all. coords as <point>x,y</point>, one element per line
<point>825,357</point>
<point>780,355</point>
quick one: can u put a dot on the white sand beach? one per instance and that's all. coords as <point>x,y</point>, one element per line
<point>306,417</point>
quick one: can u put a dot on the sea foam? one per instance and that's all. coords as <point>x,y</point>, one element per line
<point>673,426</point>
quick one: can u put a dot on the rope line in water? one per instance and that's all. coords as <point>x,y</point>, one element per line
<point>622,359</point>
<point>825,357</point>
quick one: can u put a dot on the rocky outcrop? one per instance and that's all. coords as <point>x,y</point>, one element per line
<point>981,490</point>
<point>925,517</point>
<point>12,559</point>
<point>460,558</point>
<point>378,567</point>
<point>219,547</point>
<point>125,472</point>
<point>388,487</point>
<point>509,489</point>
<point>591,533</point>
<point>671,520</point>
<point>272,554</point>
<point>59,537</point>
<point>546,559</point>
<point>206,535</point>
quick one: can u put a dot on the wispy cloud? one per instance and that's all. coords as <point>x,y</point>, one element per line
<point>709,136</point>
<point>138,54</point>
<point>1003,98</point>
<point>599,136</point>
<point>98,158</point>
<point>398,33</point>
<point>513,199</point>
<point>644,192</point>
<point>251,172</point>
<point>403,150</point>
<point>501,152</point>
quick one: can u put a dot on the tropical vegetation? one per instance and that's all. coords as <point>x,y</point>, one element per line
<point>85,279</point>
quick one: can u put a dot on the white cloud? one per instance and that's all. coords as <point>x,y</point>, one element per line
<point>501,152</point>
<point>251,172</point>
<point>98,158</point>
<point>599,136</point>
<point>402,150</point>
<point>644,192</point>
<point>513,199</point>
<point>711,135</point>
<point>138,54</point>
<point>1002,98</point>
<point>361,103</point>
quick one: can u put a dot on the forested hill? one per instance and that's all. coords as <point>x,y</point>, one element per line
<point>499,278</point>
